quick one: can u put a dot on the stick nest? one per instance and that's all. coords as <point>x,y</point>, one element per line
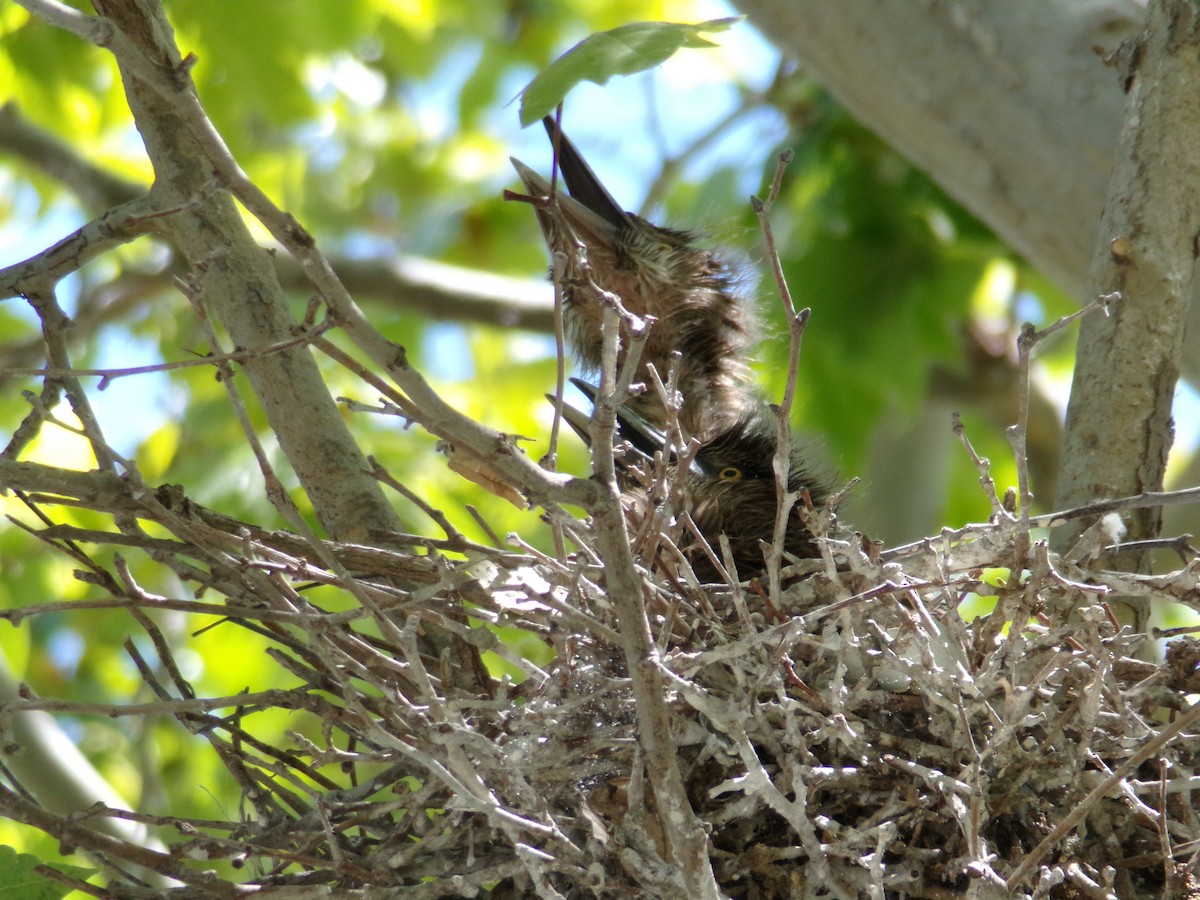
<point>857,737</point>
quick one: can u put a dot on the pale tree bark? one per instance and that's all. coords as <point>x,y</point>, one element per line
<point>1119,427</point>
<point>236,278</point>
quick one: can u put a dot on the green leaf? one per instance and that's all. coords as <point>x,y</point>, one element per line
<point>621,51</point>
<point>19,881</point>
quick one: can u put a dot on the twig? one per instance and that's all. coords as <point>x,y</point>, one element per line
<point>1017,434</point>
<point>438,517</point>
<point>781,462</point>
<point>560,364</point>
<point>983,466</point>
<point>107,375</point>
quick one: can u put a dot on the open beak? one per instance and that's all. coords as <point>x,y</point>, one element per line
<point>582,181</point>
<point>590,211</point>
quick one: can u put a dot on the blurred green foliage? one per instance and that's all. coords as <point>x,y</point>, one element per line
<point>384,128</point>
<point>20,880</point>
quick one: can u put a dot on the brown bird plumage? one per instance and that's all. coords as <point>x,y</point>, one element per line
<point>655,272</point>
<point>730,486</point>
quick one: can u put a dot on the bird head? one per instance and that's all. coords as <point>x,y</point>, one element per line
<point>653,271</point>
<point>734,493</point>
<point>727,487</point>
<point>627,255</point>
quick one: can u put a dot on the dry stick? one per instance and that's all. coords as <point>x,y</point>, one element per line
<point>195,607</point>
<point>994,624</point>
<point>1001,511</point>
<point>1017,437</point>
<point>796,322</point>
<point>669,467</point>
<point>550,460</point>
<point>116,227</point>
<point>282,698</point>
<point>727,573</point>
<point>1164,832</point>
<point>439,518</point>
<point>1025,869</point>
<point>982,465</point>
<point>161,647</point>
<point>484,526</point>
<point>1018,433</point>
<point>107,375</point>
<point>685,836</point>
<point>55,324</point>
<point>95,574</point>
<point>1137,501</point>
<point>344,359</point>
<point>31,424</point>
<point>19,809</point>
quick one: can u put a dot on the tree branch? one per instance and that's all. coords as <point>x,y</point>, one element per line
<point>1119,428</point>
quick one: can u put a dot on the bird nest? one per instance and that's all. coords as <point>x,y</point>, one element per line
<point>857,739</point>
<point>852,736</point>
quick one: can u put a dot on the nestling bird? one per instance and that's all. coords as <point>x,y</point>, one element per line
<point>729,487</point>
<point>655,271</point>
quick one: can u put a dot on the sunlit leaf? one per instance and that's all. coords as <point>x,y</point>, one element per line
<point>621,51</point>
<point>19,881</point>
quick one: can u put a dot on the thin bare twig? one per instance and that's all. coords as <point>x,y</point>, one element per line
<point>781,462</point>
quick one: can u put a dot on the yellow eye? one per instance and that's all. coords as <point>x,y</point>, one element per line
<point>730,473</point>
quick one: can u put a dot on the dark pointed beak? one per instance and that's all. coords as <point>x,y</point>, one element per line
<point>578,420</point>
<point>582,181</point>
<point>590,210</point>
<point>644,437</point>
